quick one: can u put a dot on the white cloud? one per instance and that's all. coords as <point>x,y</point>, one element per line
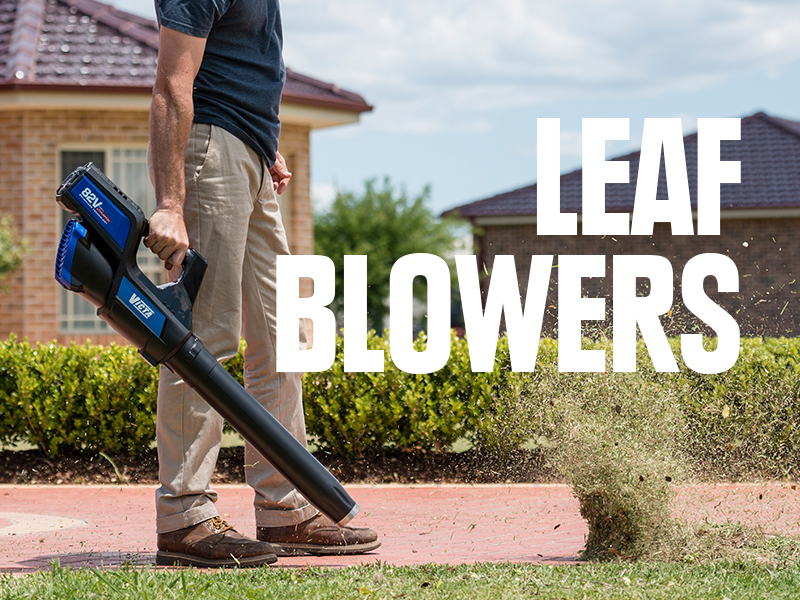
<point>446,65</point>
<point>571,143</point>
<point>322,196</point>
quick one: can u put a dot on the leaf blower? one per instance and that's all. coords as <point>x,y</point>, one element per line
<point>97,260</point>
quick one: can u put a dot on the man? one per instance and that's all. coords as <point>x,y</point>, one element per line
<point>216,169</point>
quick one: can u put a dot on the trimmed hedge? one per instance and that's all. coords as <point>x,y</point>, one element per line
<point>64,399</point>
<point>748,418</point>
<point>93,398</point>
<point>353,413</point>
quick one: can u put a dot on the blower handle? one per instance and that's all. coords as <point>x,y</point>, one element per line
<point>194,268</point>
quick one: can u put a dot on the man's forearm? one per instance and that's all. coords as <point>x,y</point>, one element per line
<point>171,115</point>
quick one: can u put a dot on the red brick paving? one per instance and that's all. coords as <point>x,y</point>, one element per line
<point>418,524</point>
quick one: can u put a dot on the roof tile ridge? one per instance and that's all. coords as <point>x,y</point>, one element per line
<point>340,101</point>
<point>24,42</point>
<point>311,80</point>
<point>777,122</point>
<point>324,85</point>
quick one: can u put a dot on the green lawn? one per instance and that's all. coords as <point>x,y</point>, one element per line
<point>713,580</point>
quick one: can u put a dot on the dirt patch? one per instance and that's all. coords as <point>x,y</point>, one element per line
<point>524,466</point>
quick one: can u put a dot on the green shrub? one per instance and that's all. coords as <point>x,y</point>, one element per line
<point>742,423</point>
<point>354,413</point>
<point>235,365</point>
<point>12,249</point>
<point>518,411</point>
<point>747,419</point>
<point>739,423</point>
<point>77,398</point>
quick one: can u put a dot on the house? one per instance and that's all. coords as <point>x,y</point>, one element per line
<point>760,221</point>
<point>76,78</point>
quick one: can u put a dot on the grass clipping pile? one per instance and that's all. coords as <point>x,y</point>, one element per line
<point>617,438</point>
<point>616,444</point>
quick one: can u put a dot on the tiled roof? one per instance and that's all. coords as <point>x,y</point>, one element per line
<point>769,151</point>
<point>85,43</point>
<point>307,90</point>
<point>7,14</point>
<point>75,43</point>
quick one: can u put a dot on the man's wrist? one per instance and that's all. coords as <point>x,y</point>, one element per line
<point>174,207</point>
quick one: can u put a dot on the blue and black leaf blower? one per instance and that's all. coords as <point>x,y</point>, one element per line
<point>97,260</point>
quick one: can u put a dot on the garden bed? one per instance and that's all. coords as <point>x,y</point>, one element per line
<point>471,466</point>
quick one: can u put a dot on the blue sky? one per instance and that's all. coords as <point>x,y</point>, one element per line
<point>457,85</point>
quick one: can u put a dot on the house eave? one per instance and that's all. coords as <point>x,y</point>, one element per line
<point>293,111</point>
<point>342,104</point>
<point>15,96</point>
<point>315,117</point>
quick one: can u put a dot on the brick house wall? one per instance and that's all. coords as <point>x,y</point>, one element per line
<point>769,266</point>
<point>12,301</point>
<point>29,170</point>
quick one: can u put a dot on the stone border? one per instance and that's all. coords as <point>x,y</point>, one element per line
<point>29,523</point>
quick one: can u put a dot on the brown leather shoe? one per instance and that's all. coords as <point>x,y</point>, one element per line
<point>318,535</point>
<point>212,543</point>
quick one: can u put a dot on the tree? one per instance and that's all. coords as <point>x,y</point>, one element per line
<point>11,249</point>
<point>384,225</point>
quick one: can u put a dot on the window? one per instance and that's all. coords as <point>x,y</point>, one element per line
<point>127,167</point>
<point>129,172</point>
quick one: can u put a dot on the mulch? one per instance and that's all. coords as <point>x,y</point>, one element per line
<point>472,466</point>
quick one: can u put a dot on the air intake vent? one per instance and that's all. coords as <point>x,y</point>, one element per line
<point>73,232</point>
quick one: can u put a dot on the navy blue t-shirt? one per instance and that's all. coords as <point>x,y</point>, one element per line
<point>241,78</point>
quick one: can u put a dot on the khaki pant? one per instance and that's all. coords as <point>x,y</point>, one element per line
<point>233,220</point>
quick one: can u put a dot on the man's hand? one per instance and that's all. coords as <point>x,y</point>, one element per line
<point>168,238</point>
<point>280,174</point>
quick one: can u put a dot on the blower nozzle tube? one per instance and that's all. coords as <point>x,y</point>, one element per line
<point>198,368</point>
